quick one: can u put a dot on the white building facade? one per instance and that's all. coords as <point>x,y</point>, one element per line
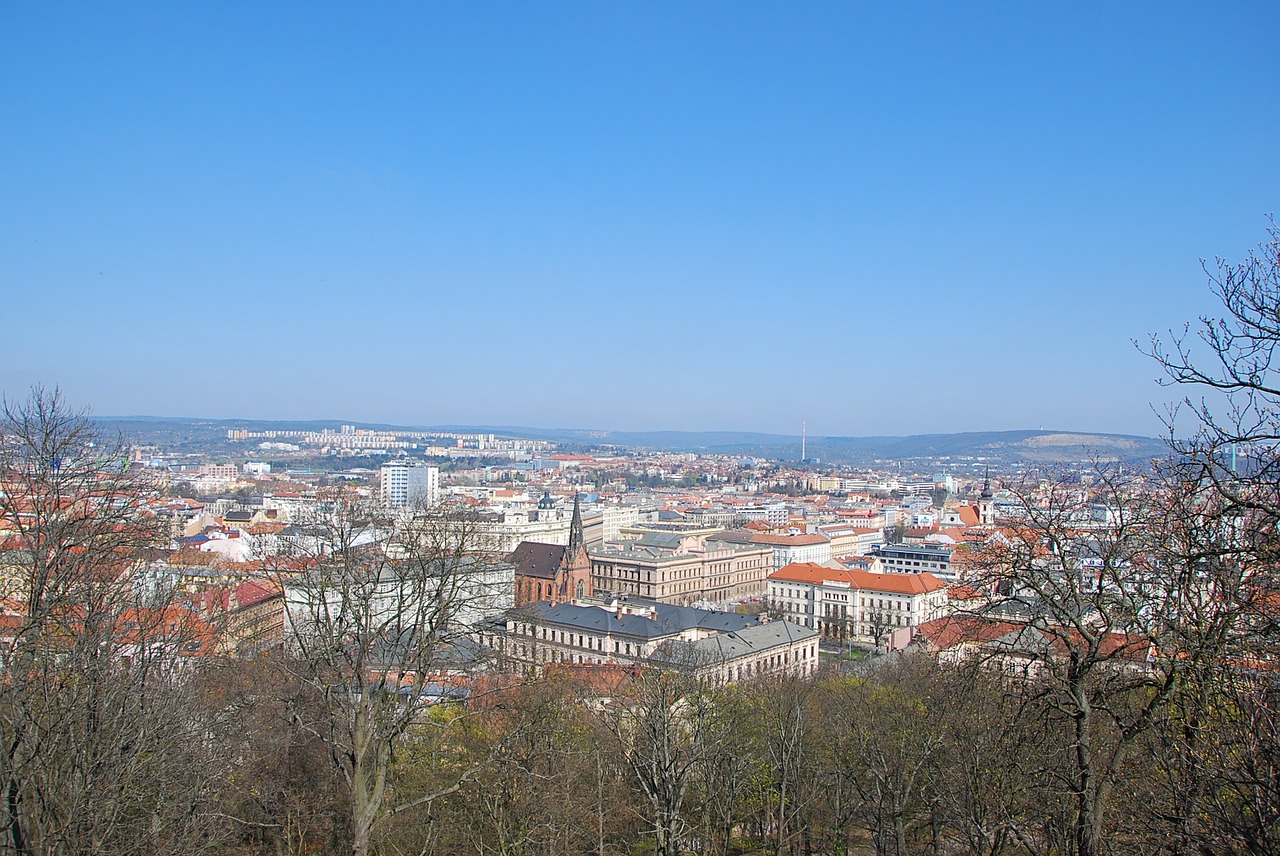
<point>724,647</point>
<point>403,484</point>
<point>788,549</point>
<point>853,604</point>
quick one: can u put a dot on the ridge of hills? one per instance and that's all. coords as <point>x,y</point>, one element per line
<point>1026,446</point>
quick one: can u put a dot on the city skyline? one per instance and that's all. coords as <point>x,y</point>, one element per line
<point>886,221</point>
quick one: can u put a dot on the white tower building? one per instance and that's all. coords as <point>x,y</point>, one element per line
<point>405,483</point>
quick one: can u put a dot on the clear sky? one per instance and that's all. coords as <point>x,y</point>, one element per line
<point>884,218</point>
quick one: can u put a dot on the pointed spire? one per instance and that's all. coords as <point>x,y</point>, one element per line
<point>986,484</point>
<point>575,527</point>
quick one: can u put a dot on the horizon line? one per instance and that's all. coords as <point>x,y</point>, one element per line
<point>476,427</point>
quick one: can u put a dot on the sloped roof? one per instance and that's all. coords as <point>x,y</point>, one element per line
<point>733,536</point>
<point>256,591</point>
<point>739,643</point>
<point>790,540</point>
<point>953,630</point>
<point>662,540</point>
<point>537,560</point>
<point>1019,637</point>
<point>815,574</point>
<point>668,620</point>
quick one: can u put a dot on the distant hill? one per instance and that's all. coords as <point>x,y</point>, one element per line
<point>1006,446</point>
<point>1010,446</point>
<point>1013,446</point>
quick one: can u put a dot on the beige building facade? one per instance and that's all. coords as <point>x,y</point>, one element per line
<point>681,569</point>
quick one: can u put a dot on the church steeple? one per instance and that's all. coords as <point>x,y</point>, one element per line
<point>986,502</point>
<point>575,527</point>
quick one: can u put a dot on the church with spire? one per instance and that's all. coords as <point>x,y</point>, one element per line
<point>978,514</point>
<point>986,502</point>
<point>553,572</point>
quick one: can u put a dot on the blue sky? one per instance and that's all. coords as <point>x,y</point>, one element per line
<point>882,218</point>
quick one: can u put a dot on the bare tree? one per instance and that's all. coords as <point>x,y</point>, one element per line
<point>373,625</point>
<point>782,724</point>
<point>983,780</point>
<point>661,722</point>
<point>287,798</point>
<point>551,784</point>
<point>103,750</point>
<point>1228,364</point>
<point>1231,361</point>
<point>877,624</point>
<point>880,749</point>
<point>731,768</point>
<point>1242,802</point>
<point>1111,614</point>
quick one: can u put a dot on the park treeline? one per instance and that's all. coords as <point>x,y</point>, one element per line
<point>901,756</point>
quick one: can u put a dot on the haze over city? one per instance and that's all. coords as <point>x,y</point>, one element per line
<point>886,219</point>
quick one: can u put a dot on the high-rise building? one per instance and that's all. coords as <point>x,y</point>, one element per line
<point>405,483</point>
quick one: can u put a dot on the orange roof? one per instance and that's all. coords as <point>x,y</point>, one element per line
<point>809,572</point>
<point>196,558</point>
<point>789,540</point>
<point>958,629</point>
<point>922,583</point>
<point>815,574</point>
<point>256,591</point>
<point>955,630</point>
<point>960,591</point>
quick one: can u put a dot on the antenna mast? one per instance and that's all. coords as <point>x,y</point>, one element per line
<point>804,439</point>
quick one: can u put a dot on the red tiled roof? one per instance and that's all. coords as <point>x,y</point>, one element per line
<point>255,592</point>
<point>963,592</point>
<point>953,630</point>
<point>790,540</point>
<point>813,573</point>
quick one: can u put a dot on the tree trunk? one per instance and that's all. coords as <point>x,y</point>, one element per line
<point>16,833</point>
<point>1088,818</point>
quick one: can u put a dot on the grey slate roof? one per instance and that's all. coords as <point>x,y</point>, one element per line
<point>669,620</point>
<point>739,643</point>
<point>537,560</point>
<point>733,536</point>
<point>661,540</point>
